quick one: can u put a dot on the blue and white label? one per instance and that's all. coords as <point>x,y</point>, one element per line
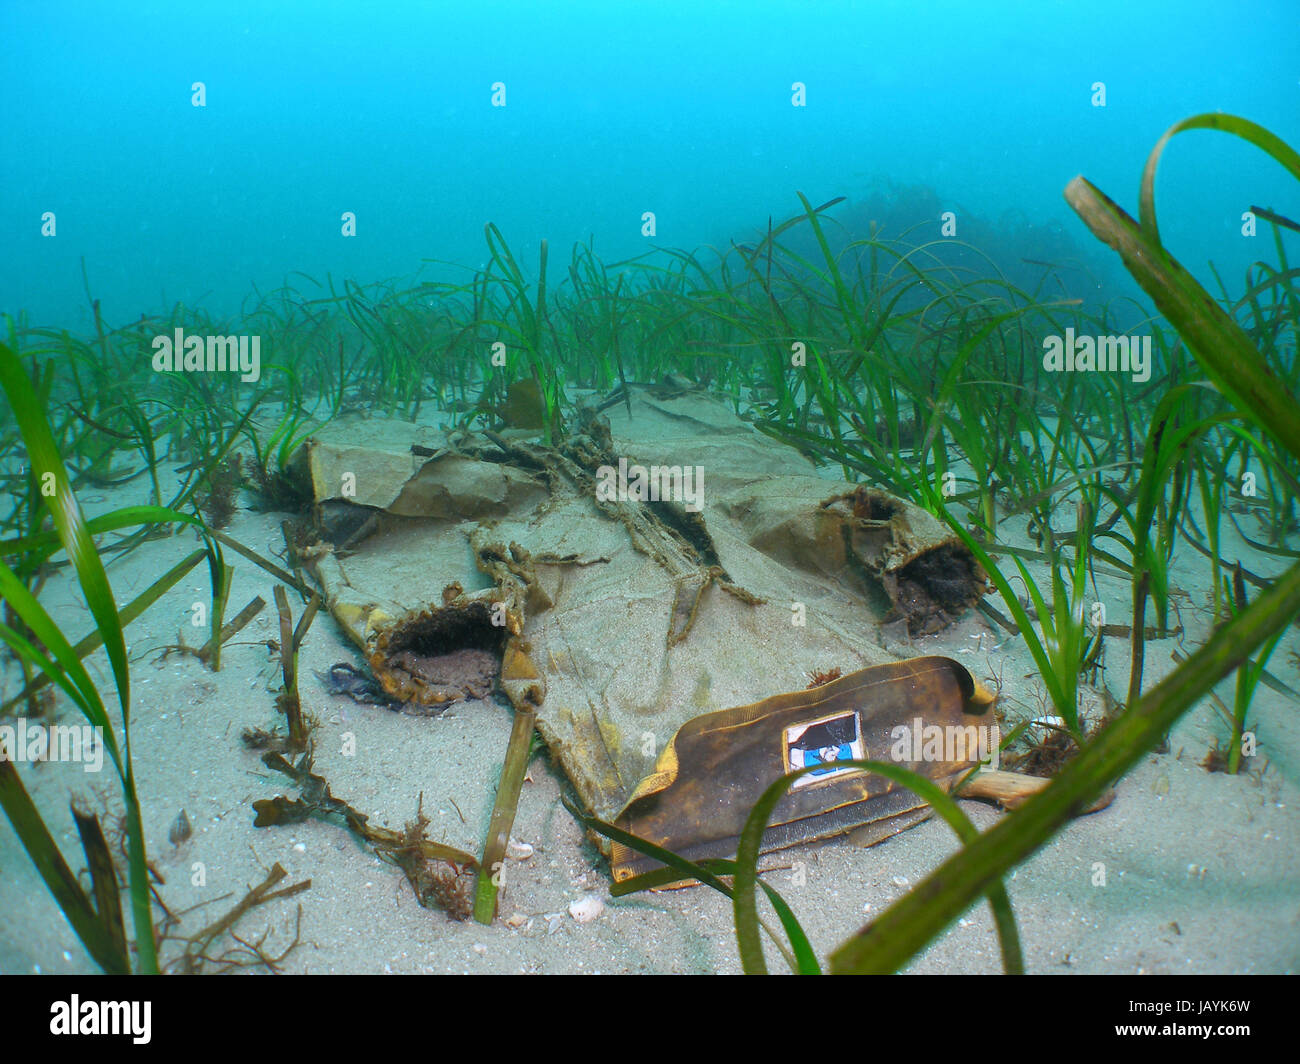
<point>823,742</point>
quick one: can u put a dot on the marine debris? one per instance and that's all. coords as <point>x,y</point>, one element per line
<point>441,876</point>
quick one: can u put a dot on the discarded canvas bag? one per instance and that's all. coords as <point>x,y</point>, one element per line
<point>663,561</point>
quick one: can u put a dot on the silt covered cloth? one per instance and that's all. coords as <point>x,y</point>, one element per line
<point>656,566</point>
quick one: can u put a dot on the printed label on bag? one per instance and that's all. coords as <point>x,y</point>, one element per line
<point>823,742</point>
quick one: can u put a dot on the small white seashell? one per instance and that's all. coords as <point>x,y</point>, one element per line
<point>586,908</point>
<point>515,921</point>
<point>518,851</point>
<point>900,881</point>
<point>1042,727</point>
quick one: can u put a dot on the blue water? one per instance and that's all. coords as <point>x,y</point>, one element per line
<point>683,109</point>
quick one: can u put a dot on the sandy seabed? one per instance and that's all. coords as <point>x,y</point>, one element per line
<point>1186,872</point>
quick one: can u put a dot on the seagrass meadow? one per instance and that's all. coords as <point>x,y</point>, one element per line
<point>221,753</point>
